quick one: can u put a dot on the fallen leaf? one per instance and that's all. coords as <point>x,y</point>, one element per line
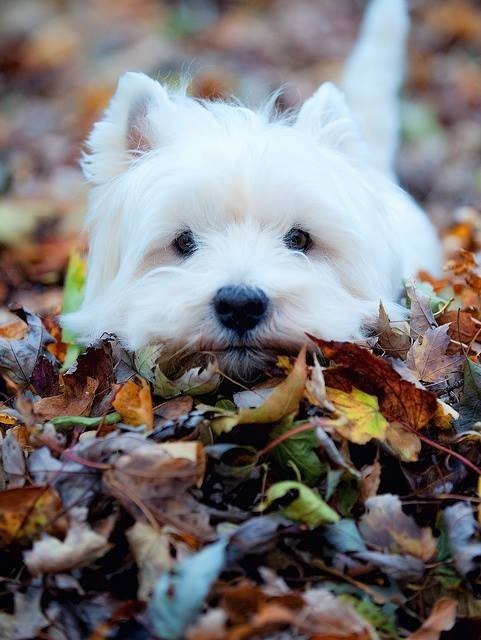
<point>370,481</point>
<point>461,527</point>
<point>364,420</point>
<point>28,511</point>
<point>422,317</point>
<point>427,357</point>
<point>399,399</point>
<point>155,551</point>
<point>299,450</point>
<point>177,597</point>
<point>283,401</point>
<point>28,620</point>
<point>157,471</point>
<point>81,546</point>
<point>327,617</point>
<point>393,338</point>
<point>134,403</point>
<point>404,443</point>
<point>13,460</point>
<point>75,400</point>
<point>73,294</point>
<point>18,357</point>
<point>470,407</point>
<point>386,526</point>
<point>299,503</point>
<point>442,618</point>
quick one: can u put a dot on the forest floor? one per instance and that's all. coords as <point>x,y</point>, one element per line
<point>341,499</point>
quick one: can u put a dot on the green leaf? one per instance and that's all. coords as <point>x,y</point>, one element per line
<point>300,450</point>
<point>299,503</point>
<point>178,595</point>
<point>381,618</point>
<point>73,293</point>
<point>364,420</point>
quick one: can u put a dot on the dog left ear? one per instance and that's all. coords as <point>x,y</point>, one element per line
<point>327,117</point>
<point>130,127</point>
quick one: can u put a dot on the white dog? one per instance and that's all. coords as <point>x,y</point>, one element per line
<point>214,228</point>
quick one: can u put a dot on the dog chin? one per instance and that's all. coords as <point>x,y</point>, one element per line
<point>245,363</point>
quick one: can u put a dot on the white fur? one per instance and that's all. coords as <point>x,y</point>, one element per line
<point>161,162</point>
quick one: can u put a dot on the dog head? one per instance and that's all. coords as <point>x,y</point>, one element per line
<point>214,228</point>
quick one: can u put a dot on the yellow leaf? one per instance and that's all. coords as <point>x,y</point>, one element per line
<point>304,506</point>
<point>364,420</point>
<point>26,512</point>
<point>134,403</point>
<point>282,402</point>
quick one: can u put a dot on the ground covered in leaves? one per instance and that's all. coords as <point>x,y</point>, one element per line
<point>338,499</point>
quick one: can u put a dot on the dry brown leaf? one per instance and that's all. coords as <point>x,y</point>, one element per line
<point>393,338</point>
<point>134,403</point>
<point>76,399</point>
<point>427,357</point>
<point>442,618</point>
<point>399,399</point>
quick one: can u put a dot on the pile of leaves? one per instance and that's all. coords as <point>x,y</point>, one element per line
<point>338,498</point>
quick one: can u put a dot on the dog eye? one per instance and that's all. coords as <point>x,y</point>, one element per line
<point>185,243</point>
<point>297,240</point>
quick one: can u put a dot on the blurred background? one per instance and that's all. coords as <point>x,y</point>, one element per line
<point>60,60</point>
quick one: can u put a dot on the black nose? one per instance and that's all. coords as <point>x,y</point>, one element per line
<point>239,307</point>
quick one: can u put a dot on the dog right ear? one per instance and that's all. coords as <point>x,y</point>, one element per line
<point>130,127</point>
<point>327,117</point>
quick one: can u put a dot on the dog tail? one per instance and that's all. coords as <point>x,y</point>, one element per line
<point>373,76</point>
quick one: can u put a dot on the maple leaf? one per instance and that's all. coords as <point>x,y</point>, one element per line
<point>421,317</point>
<point>427,357</point>
<point>365,421</point>
<point>393,339</point>
<point>399,399</point>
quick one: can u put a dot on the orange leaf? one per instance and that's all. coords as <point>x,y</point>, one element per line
<point>134,403</point>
